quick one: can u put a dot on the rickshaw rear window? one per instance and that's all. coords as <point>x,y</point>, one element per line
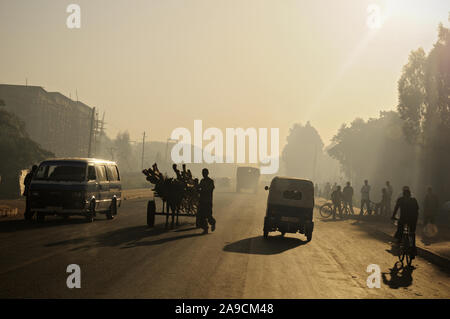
<point>61,172</point>
<point>292,194</point>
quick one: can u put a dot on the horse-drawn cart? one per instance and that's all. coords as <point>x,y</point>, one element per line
<point>179,195</point>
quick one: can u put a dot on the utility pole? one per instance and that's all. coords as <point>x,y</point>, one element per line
<point>91,134</point>
<point>143,149</point>
<point>99,132</point>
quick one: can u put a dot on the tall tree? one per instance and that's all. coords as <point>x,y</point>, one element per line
<point>302,151</point>
<point>17,151</point>
<point>424,105</point>
<point>124,151</point>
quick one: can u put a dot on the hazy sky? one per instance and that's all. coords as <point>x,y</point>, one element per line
<point>155,65</point>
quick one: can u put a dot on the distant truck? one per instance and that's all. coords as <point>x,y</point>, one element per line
<point>247,178</point>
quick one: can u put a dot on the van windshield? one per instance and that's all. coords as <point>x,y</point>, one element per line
<point>72,172</point>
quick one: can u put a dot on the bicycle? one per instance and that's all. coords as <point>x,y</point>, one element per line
<point>374,209</point>
<point>326,210</point>
<point>406,247</point>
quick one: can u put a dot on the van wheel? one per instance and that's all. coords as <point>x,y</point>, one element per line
<point>266,235</point>
<point>308,237</point>
<point>151,208</point>
<point>112,211</point>
<point>283,233</point>
<point>91,214</point>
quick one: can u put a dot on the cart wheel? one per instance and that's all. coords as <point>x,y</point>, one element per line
<point>151,208</point>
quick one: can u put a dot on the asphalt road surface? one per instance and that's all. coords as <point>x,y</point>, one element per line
<point>123,258</point>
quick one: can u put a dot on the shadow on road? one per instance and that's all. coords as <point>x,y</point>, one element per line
<point>127,237</point>
<point>330,219</point>
<point>398,277</point>
<point>260,246</point>
<point>9,226</point>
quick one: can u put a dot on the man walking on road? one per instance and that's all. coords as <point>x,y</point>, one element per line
<point>365,198</point>
<point>347,195</point>
<point>206,188</point>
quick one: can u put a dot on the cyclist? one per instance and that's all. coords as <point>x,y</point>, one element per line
<point>409,212</point>
<point>347,196</point>
<point>336,198</point>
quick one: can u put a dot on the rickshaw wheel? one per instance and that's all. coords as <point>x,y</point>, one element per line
<point>151,208</point>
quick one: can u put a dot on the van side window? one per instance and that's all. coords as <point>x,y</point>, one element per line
<point>112,173</point>
<point>91,173</point>
<point>101,173</point>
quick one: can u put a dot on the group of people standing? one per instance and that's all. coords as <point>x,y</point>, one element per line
<point>342,199</point>
<point>406,204</point>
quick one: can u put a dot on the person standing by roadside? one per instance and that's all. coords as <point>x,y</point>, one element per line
<point>347,196</point>
<point>27,181</point>
<point>389,194</point>
<point>384,205</point>
<point>206,188</point>
<point>365,198</point>
<point>336,198</point>
<point>327,190</point>
<point>430,207</point>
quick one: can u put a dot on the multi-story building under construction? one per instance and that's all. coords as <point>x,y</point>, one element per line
<point>56,122</point>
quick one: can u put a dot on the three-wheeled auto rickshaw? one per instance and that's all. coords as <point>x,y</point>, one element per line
<point>290,205</point>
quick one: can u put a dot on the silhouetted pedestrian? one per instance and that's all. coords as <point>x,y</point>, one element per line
<point>347,196</point>
<point>336,198</point>
<point>206,188</point>
<point>384,205</point>
<point>430,208</point>
<point>389,193</point>
<point>365,198</point>
<point>27,182</point>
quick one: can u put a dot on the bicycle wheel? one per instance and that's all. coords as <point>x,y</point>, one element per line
<point>326,210</point>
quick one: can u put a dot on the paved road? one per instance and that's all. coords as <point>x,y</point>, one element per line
<point>125,259</point>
